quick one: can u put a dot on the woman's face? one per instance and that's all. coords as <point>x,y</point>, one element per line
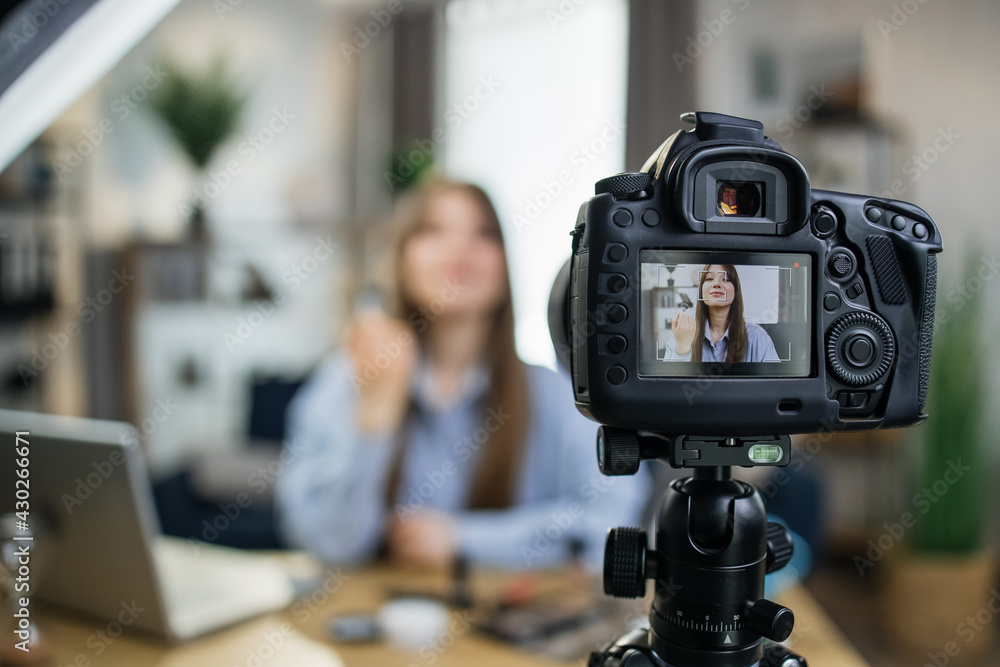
<point>454,263</point>
<point>717,290</point>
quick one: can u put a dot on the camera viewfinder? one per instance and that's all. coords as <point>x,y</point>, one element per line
<point>740,198</point>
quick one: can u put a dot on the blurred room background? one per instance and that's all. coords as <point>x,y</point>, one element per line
<point>192,193</point>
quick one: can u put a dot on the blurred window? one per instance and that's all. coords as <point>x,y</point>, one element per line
<point>533,102</point>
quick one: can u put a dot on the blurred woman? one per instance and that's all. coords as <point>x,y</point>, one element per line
<point>427,436</point>
<point>718,323</point>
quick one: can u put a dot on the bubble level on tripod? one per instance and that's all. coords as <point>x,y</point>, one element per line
<point>765,453</point>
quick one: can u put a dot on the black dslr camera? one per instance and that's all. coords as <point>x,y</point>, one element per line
<point>713,305</point>
<point>835,292</point>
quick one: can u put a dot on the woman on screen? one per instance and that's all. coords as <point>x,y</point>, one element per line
<point>427,436</point>
<point>718,323</point>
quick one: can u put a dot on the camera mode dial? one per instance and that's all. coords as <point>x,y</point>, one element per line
<point>859,348</point>
<point>630,185</point>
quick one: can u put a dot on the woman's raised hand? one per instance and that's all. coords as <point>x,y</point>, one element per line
<point>683,328</point>
<point>384,352</point>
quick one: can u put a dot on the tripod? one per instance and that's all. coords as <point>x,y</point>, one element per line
<point>713,545</point>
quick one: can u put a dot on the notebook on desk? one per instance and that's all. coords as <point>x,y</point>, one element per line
<point>97,546</point>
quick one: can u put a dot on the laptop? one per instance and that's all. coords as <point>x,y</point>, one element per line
<point>97,546</point>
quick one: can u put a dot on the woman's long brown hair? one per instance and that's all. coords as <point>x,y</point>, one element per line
<point>494,482</point>
<point>737,349</point>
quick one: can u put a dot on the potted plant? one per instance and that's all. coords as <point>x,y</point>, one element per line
<point>945,575</point>
<point>201,111</point>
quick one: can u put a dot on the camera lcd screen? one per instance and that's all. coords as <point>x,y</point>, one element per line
<point>725,314</point>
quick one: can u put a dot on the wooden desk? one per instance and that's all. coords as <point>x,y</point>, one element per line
<point>296,636</point>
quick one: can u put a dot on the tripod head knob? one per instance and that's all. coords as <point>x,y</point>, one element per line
<point>770,619</point>
<point>618,451</point>
<point>779,547</point>
<point>776,655</point>
<point>625,563</point>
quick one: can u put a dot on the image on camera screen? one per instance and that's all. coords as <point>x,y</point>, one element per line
<point>725,313</point>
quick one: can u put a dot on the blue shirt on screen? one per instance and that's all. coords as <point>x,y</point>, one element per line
<point>331,493</point>
<point>760,347</point>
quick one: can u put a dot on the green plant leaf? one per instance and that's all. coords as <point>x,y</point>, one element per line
<point>952,514</point>
<point>200,110</point>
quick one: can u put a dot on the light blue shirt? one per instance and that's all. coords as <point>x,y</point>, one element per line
<point>760,347</point>
<point>330,496</point>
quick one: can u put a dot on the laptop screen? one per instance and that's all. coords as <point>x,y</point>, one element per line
<point>91,513</point>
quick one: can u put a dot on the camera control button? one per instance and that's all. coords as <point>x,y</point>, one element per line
<point>617,374</point>
<point>920,230</point>
<point>841,265</point>
<point>611,283</point>
<point>898,223</point>
<point>852,399</point>
<point>873,214</point>
<point>616,344</point>
<point>824,221</point>
<point>859,351</point>
<point>622,217</point>
<point>651,217</point>
<point>617,283</point>
<point>855,290</point>
<point>615,252</point>
<point>831,301</point>
<point>615,313</point>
